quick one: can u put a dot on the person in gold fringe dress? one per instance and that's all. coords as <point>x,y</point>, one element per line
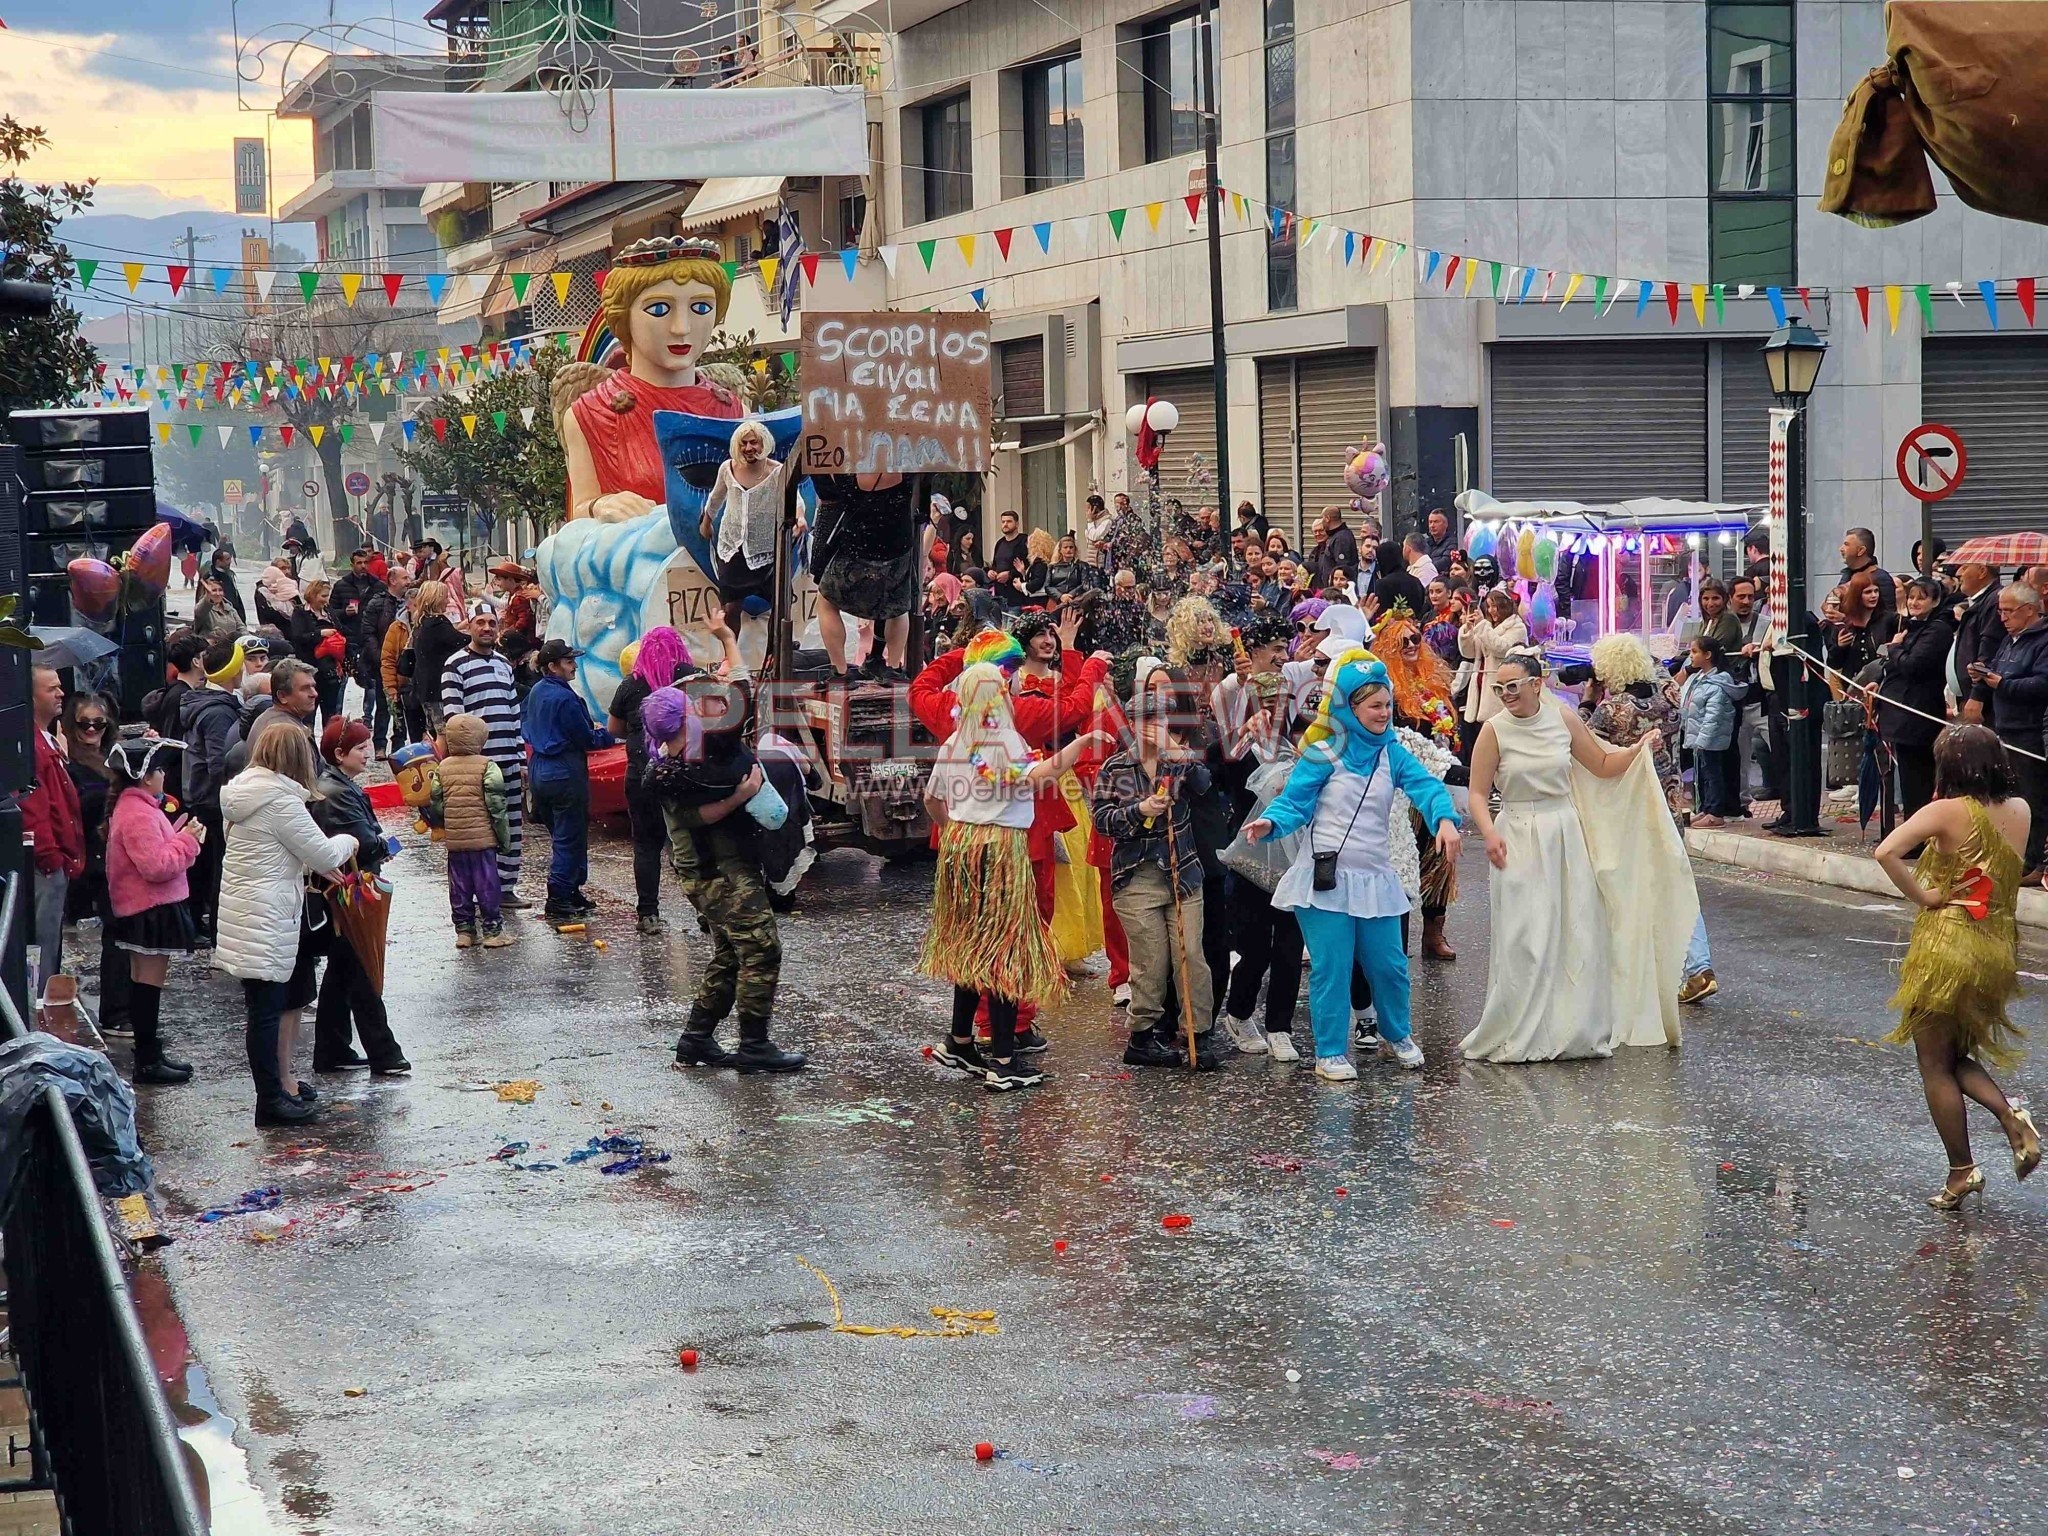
<point>1962,966</point>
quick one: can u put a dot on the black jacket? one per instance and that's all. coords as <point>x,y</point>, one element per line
<point>163,711</point>
<point>343,810</point>
<point>348,600</point>
<point>1338,552</point>
<point>1914,675</point>
<point>2015,706</point>
<point>209,722</point>
<point>434,640</point>
<point>1979,632</point>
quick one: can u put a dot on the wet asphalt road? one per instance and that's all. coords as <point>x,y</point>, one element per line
<point>1690,1293</point>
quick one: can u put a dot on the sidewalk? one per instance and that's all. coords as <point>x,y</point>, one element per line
<point>1841,859</point>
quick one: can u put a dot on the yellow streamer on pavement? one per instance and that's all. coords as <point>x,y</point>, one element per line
<point>953,1324</point>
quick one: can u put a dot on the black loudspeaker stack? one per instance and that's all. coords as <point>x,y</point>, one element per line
<point>17,761</point>
<point>87,489</point>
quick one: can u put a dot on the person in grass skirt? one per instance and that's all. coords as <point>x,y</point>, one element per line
<point>148,855</point>
<point>986,937</point>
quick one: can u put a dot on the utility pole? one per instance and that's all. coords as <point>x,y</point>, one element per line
<point>1213,195</point>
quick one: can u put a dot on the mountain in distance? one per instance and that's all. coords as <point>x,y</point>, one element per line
<point>112,238</point>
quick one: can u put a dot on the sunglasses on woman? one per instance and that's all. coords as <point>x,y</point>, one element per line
<point>87,727</point>
<point>1512,685</point>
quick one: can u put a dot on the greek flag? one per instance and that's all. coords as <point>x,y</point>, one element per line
<point>789,250</point>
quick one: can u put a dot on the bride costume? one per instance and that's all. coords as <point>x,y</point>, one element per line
<point>1592,915</point>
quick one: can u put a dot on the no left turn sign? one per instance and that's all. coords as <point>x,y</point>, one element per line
<point>1931,462</point>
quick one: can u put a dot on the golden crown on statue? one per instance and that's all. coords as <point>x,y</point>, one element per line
<point>666,248</point>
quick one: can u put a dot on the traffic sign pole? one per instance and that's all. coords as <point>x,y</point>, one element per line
<point>1930,464</point>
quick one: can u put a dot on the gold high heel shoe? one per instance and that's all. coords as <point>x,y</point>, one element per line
<point>1949,1199</point>
<point>2026,1157</point>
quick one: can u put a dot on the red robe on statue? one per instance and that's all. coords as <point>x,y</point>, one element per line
<point>617,418</point>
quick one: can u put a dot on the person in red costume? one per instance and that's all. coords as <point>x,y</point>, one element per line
<point>662,298</point>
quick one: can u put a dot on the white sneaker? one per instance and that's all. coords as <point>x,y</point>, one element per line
<point>1121,996</point>
<point>1336,1069</point>
<point>1406,1052</point>
<point>1280,1047</point>
<point>1365,1028</point>
<point>1249,1039</point>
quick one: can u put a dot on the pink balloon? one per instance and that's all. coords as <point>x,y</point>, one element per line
<point>152,554</point>
<point>95,586</point>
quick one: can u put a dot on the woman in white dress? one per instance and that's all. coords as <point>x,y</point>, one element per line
<point>745,508</point>
<point>1592,895</point>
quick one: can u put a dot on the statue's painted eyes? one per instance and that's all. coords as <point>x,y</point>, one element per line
<point>700,307</point>
<point>657,309</point>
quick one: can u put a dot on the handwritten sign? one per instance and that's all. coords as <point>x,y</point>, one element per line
<point>692,598</point>
<point>897,392</point>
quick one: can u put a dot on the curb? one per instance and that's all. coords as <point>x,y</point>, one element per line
<point>1823,866</point>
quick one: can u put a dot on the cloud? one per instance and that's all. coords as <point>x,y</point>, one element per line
<point>158,137</point>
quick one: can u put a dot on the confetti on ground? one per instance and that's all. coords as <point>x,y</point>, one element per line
<point>520,1092</point>
<point>1339,1461</point>
<point>687,1359</point>
<point>1191,1405</point>
<point>1540,1407</point>
<point>1502,1221</point>
<point>953,1324</point>
<point>1176,1222</point>
<point>629,1151</point>
<point>867,1112</point>
<point>354,1391</point>
<point>247,1203</point>
<point>984,1452</point>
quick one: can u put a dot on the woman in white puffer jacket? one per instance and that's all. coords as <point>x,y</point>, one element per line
<point>273,843</point>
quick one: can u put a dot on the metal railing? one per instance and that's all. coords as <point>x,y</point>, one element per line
<point>101,1433</point>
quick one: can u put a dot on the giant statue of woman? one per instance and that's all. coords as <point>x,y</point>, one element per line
<point>644,424</point>
<point>662,300</point>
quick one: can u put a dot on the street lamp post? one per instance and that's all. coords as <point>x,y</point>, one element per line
<point>1793,357</point>
<point>1162,416</point>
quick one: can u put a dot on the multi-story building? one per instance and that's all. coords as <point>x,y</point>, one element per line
<point>1680,140</point>
<point>545,226</point>
<point>360,225</point>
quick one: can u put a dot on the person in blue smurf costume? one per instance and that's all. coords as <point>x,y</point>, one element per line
<point>1342,886</point>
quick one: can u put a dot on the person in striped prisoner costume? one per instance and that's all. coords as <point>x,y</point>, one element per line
<point>477,680</point>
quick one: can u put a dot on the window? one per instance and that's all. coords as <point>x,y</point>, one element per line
<point>1752,180</point>
<point>947,136</point>
<point>1282,289</point>
<point>1173,86</point>
<point>1052,123</point>
<point>853,213</point>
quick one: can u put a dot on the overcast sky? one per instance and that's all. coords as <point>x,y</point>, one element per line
<point>144,97</point>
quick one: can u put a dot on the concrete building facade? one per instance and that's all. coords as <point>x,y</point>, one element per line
<point>1678,140</point>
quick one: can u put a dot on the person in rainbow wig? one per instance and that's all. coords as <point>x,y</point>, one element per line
<point>1342,886</point>
<point>986,937</point>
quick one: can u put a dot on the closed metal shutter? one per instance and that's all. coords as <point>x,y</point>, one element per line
<point>1194,393</point>
<point>1598,421</point>
<point>1277,466</point>
<point>1311,410</point>
<point>1994,392</point>
<point>1045,479</point>
<point>1339,410</point>
<point>1023,379</point>
<point>1746,402</point>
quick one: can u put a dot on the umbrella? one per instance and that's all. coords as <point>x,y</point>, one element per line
<point>186,532</point>
<point>360,906</point>
<point>2002,549</point>
<point>69,645</point>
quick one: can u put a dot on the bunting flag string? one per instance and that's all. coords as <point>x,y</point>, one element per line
<point>1351,247</point>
